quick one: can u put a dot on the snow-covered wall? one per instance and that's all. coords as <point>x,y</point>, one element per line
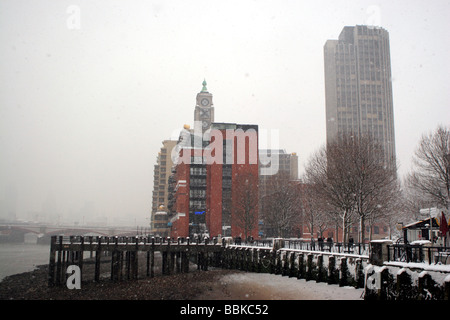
<point>380,280</point>
<point>401,281</point>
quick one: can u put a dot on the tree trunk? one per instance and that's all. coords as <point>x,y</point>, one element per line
<point>344,228</point>
<point>361,230</point>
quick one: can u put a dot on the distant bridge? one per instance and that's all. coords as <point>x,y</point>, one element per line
<point>41,232</point>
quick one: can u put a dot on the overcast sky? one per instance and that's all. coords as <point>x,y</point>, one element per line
<point>89,89</point>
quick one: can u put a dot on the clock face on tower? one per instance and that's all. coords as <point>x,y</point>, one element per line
<point>205,102</point>
<point>205,124</point>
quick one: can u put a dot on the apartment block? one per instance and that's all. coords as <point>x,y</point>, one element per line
<point>160,196</point>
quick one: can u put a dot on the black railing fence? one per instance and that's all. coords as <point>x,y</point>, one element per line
<point>336,247</point>
<point>418,253</point>
<point>301,244</point>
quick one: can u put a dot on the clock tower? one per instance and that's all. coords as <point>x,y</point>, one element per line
<point>204,109</point>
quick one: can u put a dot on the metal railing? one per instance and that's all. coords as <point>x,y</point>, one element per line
<point>335,247</point>
<point>253,243</point>
<point>332,247</point>
<point>418,253</point>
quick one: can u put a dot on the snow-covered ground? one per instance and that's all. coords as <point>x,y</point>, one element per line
<point>264,286</point>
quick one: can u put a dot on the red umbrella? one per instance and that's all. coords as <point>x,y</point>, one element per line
<point>444,226</point>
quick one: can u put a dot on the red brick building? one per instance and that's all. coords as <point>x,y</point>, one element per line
<point>215,185</point>
<point>213,189</point>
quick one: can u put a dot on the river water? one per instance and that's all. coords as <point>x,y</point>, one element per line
<point>21,257</point>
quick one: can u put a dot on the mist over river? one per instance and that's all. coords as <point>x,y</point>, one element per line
<point>21,257</point>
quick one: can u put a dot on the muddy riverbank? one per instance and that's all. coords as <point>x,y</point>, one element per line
<point>215,284</point>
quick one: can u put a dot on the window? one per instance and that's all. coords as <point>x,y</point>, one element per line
<point>376,230</point>
<point>197,204</point>
<point>197,193</point>
<point>197,159</point>
<point>198,182</point>
<point>198,171</point>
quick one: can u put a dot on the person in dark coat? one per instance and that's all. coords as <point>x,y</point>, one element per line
<point>320,240</point>
<point>330,243</point>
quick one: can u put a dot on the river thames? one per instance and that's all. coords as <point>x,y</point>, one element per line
<point>21,257</point>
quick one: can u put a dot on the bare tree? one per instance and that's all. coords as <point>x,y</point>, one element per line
<point>329,176</point>
<point>377,190</point>
<point>315,211</point>
<point>245,198</point>
<point>350,175</point>
<point>413,201</point>
<point>398,215</point>
<point>431,166</point>
<point>281,204</point>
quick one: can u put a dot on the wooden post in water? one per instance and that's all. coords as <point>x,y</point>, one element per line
<point>80,257</point>
<point>115,260</point>
<point>98,253</point>
<point>178,257</point>
<point>120,261</point>
<point>152,259</point>
<point>134,259</point>
<point>113,256</point>
<point>185,258</point>
<point>198,253</point>
<point>205,256</point>
<point>128,262</point>
<point>127,259</point>
<point>165,267</point>
<point>71,260</point>
<point>171,261</point>
<point>147,273</point>
<point>90,247</point>
<point>51,263</point>
<point>59,269</point>
<point>64,262</point>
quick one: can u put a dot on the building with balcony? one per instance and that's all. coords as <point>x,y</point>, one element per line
<point>217,161</point>
<point>161,174</point>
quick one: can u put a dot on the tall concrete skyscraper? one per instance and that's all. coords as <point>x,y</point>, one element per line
<point>358,87</point>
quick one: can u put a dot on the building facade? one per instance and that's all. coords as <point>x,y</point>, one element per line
<point>160,195</point>
<point>280,162</point>
<point>358,87</point>
<point>274,163</point>
<point>214,178</point>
